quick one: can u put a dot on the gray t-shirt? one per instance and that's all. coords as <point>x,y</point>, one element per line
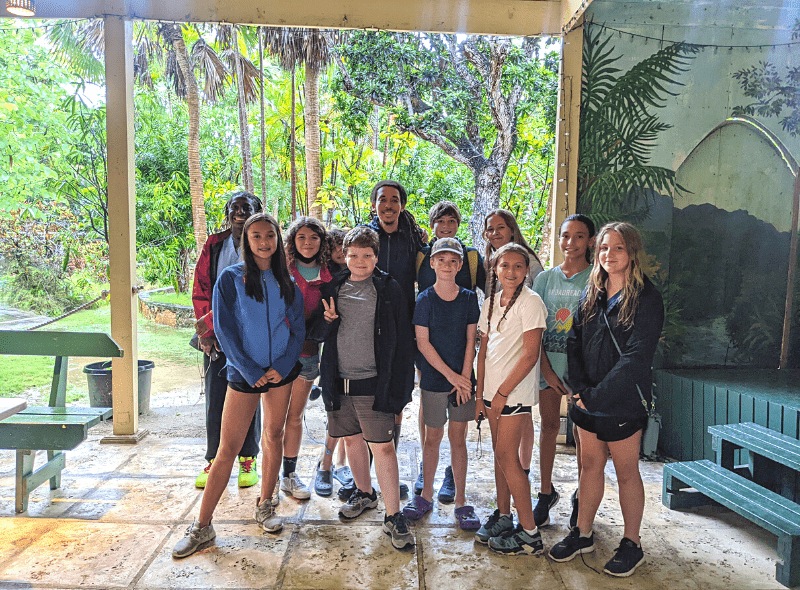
<point>228,256</point>
<point>356,336</point>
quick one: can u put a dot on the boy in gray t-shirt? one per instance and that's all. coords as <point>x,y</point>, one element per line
<point>367,375</point>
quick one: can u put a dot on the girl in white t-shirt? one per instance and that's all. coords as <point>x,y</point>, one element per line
<point>511,326</point>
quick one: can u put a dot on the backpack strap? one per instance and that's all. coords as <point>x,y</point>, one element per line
<point>472,260</point>
<point>420,258</point>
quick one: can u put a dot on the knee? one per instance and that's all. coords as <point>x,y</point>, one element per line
<point>506,458</point>
<point>383,450</point>
<point>272,435</point>
<point>550,424</point>
<point>628,476</point>
<point>433,436</point>
<point>457,435</point>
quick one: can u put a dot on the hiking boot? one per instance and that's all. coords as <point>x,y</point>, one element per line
<point>396,525</point>
<point>447,493</point>
<point>347,490</point>
<point>201,480</point>
<point>495,526</point>
<point>276,496</point>
<point>265,516</point>
<point>419,483</point>
<point>573,518</point>
<point>248,472</point>
<point>517,543</point>
<point>541,512</point>
<point>357,503</point>
<point>193,539</point>
<point>294,486</point>
<point>627,558</point>
<point>572,545</point>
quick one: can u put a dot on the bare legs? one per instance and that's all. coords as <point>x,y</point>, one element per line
<point>549,410</point>
<point>509,477</point>
<point>294,419</point>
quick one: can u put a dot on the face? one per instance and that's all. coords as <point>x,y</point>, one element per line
<point>613,254</point>
<point>263,241</point>
<point>511,270</point>
<point>388,206</point>
<point>240,209</point>
<point>361,262</point>
<point>574,240</point>
<point>307,242</point>
<point>498,232</point>
<point>445,227</point>
<point>338,254</point>
<point>446,266</point>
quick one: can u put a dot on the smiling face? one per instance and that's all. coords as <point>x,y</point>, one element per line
<point>498,232</point>
<point>511,269</point>
<point>388,206</point>
<point>263,241</point>
<point>574,240</point>
<point>613,255</point>
<point>239,210</point>
<point>446,266</point>
<point>360,262</point>
<point>445,227</point>
<point>307,242</point>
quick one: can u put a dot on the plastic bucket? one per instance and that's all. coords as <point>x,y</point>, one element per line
<point>98,376</point>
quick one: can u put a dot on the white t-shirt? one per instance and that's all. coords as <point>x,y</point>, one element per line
<point>505,345</point>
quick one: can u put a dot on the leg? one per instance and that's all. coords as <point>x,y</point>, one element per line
<point>294,420</point>
<point>625,454</point>
<point>594,454</point>
<point>216,387</point>
<point>526,444</point>
<point>421,428</point>
<point>358,454</point>
<point>275,405</point>
<point>388,475</point>
<point>236,416</point>
<point>430,460</point>
<point>457,434</point>
<point>507,443</point>
<point>549,410</point>
<point>327,454</point>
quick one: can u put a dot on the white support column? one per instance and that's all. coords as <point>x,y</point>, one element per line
<point>565,178</point>
<point>122,225</point>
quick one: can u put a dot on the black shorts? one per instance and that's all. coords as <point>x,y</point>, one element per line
<point>510,410</point>
<point>244,387</point>
<point>606,428</point>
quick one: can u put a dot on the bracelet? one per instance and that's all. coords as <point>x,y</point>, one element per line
<point>500,394</point>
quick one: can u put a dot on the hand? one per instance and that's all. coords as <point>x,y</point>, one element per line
<point>461,384</point>
<point>201,327</point>
<point>554,382</point>
<point>207,343</point>
<point>576,399</point>
<point>330,310</point>
<point>271,376</point>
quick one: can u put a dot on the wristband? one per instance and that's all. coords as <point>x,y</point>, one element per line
<point>500,394</point>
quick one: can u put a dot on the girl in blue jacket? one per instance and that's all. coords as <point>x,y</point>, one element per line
<point>260,325</point>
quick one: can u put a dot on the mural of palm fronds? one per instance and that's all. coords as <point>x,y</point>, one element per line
<point>619,128</point>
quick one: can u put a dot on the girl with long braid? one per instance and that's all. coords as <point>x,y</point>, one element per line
<point>511,323</point>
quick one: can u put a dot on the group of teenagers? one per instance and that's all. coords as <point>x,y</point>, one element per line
<point>359,310</point>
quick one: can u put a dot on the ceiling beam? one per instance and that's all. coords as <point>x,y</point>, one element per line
<point>572,11</point>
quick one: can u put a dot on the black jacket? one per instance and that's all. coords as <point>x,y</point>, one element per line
<point>394,345</point>
<point>605,380</point>
<point>397,255</point>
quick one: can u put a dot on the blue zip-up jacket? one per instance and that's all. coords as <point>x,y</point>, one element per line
<point>257,336</point>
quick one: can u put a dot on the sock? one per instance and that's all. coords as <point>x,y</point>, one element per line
<point>396,435</point>
<point>508,515</point>
<point>527,471</point>
<point>531,532</point>
<point>289,465</point>
<point>586,535</point>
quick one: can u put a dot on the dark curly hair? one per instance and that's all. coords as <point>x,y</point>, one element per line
<point>254,201</point>
<point>323,257</point>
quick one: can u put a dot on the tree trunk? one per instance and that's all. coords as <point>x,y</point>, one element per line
<point>313,169</point>
<point>244,131</point>
<point>195,172</point>
<point>262,120</point>
<point>488,182</point>
<point>293,164</point>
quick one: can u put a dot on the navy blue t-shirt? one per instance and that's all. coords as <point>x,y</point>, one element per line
<point>447,323</point>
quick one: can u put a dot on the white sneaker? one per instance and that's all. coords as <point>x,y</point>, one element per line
<point>266,518</point>
<point>276,496</point>
<point>294,486</point>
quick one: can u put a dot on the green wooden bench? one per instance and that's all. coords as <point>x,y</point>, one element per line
<point>53,428</point>
<point>765,508</point>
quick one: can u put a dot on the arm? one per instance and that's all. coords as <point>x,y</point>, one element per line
<point>460,383</point>
<point>469,358</point>
<point>531,346</point>
<point>295,315</point>
<point>553,380</point>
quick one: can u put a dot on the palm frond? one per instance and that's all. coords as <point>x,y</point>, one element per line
<point>213,69</point>
<point>79,46</point>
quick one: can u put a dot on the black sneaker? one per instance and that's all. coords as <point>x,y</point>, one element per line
<point>572,545</point>
<point>347,490</point>
<point>541,512</point>
<point>403,491</point>
<point>573,518</point>
<point>419,481</point>
<point>396,526</point>
<point>517,542</point>
<point>358,503</point>
<point>628,557</point>
<point>447,493</point>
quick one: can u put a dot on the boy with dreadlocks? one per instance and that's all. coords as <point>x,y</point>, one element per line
<point>511,325</point>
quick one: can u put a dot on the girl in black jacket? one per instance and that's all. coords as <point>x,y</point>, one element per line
<point>610,352</point>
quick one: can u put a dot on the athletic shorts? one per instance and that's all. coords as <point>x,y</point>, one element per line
<point>436,409</point>
<point>355,414</point>
<point>510,410</point>
<point>245,387</point>
<point>606,428</point>
<point>310,369</point>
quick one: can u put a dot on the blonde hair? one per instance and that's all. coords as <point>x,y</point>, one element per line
<point>511,247</point>
<point>634,277</point>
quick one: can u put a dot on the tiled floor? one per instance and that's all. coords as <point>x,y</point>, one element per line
<point>120,509</point>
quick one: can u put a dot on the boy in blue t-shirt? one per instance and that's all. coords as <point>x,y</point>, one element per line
<point>445,320</point>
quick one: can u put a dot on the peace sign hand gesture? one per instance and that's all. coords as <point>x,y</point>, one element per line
<point>330,310</point>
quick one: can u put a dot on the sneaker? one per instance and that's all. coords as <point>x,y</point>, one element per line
<point>573,518</point>
<point>266,518</point>
<point>517,543</point>
<point>294,486</point>
<point>248,472</point>
<point>628,557</point>
<point>201,480</point>
<point>347,490</point>
<point>194,538</point>
<point>495,526</point>
<point>541,512</point>
<point>357,503</point>
<point>403,491</point>
<point>276,495</point>
<point>420,482</point>
<point>572,545</point>
<point>447,493</point>
<point>316,391</point>
<point>396,525</point>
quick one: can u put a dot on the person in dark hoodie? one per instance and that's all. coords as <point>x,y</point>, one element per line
<point>610,351</point>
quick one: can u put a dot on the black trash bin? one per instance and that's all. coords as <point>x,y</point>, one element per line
<point>98,376</point>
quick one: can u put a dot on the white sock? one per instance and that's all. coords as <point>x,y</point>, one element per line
<point>531,532</point>
<point>586,535</point>
<point>508,515</point>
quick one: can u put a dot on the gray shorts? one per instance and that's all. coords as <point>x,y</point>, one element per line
<point>310,370</point>
<point>356,416</point>
<point>436,409</point>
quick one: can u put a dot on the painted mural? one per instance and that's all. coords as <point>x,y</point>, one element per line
<point>696,142</point>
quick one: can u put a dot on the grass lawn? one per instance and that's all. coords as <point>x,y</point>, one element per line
<point>174,298</point>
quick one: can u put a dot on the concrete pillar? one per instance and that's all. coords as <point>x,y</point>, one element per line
<point>122,224</point>
<point>565,178</point>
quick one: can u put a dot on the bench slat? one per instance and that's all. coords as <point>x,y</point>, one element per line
<point>762,441</point>
<point>59,432</point>
<point>44,343</point>
<point>104,413</point>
